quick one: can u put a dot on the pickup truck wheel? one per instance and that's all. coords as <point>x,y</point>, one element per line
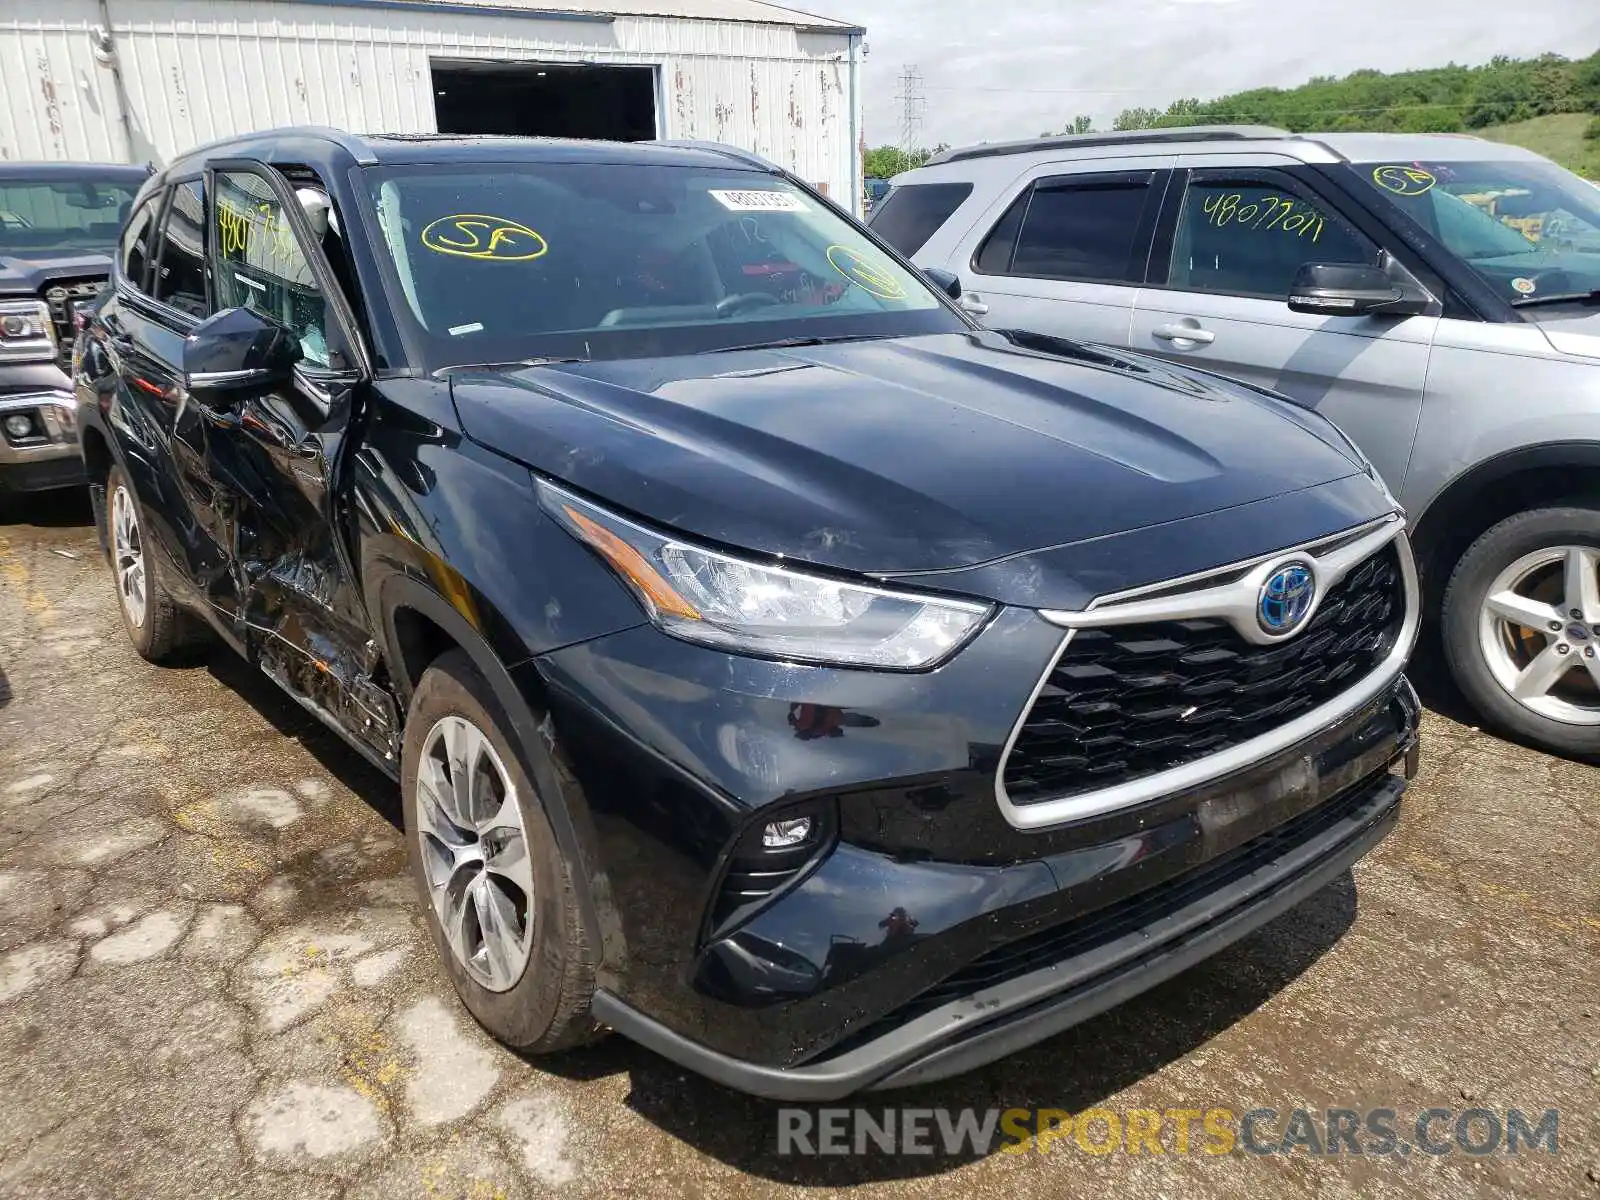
<point>1522,628</point>
<point>155,624</point>
<point>497,889</point>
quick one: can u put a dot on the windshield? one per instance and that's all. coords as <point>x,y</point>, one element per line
<point>1530,229</point>
<point>503,262</point>
<point>62,214</point>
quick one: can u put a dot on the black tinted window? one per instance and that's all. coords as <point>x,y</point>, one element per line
<point>1250,239</point>
<point>1081,231</point>
<point>181,268</point>
<point>134,252</point>
<point>994,256</point>
<point>913,213</point>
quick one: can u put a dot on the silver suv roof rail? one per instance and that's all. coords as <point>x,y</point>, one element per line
<point>1132,137</point>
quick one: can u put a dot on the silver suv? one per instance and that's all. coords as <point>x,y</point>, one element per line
<point>1438,296</point>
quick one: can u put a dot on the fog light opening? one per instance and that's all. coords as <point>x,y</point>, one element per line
<point>19,425</point>
<point>780,835</point>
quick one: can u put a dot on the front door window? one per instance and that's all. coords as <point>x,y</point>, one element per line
<point>262,266</point>
<point>1250,238</point>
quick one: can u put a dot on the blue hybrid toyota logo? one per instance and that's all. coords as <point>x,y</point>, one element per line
<point>1286,598</point>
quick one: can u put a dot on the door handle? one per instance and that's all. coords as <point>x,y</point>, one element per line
<point>1184,333</point>
<point>973,303</point>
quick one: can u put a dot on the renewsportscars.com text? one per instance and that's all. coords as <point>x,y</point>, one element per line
<point>1375,1132</point>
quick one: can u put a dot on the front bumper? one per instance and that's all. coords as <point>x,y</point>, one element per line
<point>985,1024</point>
<point>932,935</point>
<point>46,455</point>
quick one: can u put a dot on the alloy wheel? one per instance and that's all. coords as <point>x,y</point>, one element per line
<point>475,852</point>
<point>1539,631</point>
<point>127,555</point>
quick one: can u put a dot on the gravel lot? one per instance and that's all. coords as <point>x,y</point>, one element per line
<point>214,980</point>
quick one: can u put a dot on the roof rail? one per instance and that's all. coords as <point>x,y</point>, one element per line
<point>1131,137</point>
<point>745,156</point>
<point>349,142</point>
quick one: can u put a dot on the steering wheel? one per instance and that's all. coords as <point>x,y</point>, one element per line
<point>742,302</point>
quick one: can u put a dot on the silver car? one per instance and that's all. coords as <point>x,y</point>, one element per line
<point>1438,296</point>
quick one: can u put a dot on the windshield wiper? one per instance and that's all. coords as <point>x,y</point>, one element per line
<point>1560,298</point>
<point>813,340</point>
<point>506,366</point>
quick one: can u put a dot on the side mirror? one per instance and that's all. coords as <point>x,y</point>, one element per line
<point>946,281</point>
<point>1349,290</point>
<point>237,348</point>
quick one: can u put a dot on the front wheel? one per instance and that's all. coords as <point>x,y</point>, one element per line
<point>498,892</point>
<point>1522,628</point>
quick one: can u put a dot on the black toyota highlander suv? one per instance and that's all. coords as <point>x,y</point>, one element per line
<point>777,668</point>
<point>58,226</point>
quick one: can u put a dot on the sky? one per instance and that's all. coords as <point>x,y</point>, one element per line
<point>1013,69</point>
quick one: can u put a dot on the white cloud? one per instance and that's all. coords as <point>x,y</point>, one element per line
<point>1009,69</point>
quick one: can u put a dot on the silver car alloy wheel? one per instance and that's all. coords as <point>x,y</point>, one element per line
<point>127,555</point>
<point>1539,631</point>
<point>475,852</point>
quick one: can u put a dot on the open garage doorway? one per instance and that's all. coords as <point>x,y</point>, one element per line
<point>545,99</point>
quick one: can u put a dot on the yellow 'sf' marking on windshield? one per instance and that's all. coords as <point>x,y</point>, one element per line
<point>1403,181</point>
<point>480,236</point>
<point>872,275</point>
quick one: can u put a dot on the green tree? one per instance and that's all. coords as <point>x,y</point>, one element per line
<point>884,162</point>
<point>1136,118</point>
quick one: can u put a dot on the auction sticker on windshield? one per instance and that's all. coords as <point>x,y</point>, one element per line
<point>758,201</point>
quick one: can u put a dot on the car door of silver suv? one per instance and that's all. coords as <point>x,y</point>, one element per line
<point>1061,249</point>
<point>1235,230</point>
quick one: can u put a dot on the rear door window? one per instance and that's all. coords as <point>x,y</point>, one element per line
<point>134,250</point>
<point>1090,228</point>
<point>913,213</point>
<point>180,278</point>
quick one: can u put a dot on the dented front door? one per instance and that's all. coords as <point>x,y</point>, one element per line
<point>277,452</point>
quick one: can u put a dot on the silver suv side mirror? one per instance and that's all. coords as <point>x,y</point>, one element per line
<point>1357,290</point>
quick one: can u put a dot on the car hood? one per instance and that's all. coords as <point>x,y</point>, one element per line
<point>894,456</point>
<point>1571,330</point>
<point>30,274</point>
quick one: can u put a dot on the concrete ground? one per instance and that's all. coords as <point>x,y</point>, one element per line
<point>214,980</point>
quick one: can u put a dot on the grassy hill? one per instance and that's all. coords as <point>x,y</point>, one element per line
<point>1558,136</point>
<point>1545,103</point>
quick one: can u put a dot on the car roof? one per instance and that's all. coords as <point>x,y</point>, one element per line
<point>1427,147</point>
<point>71,171</point>
<point>971,162</point>
<point>318,146</point>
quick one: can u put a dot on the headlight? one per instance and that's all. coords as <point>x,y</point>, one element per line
<point>704,596</point>
<point>26,330</point>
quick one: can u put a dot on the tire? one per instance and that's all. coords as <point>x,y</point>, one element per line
<point>1519,556</point>
<point>542,1005</point>
<point>155,624</point>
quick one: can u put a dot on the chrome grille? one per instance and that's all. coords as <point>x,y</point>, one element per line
<point>1128,701</point>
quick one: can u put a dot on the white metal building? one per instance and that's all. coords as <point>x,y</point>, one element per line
<point>141,80</point>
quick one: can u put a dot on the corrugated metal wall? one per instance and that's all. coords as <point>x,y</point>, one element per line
<point>195,70</point>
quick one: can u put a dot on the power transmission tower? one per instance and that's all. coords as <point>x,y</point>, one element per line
<point>911,105</point>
